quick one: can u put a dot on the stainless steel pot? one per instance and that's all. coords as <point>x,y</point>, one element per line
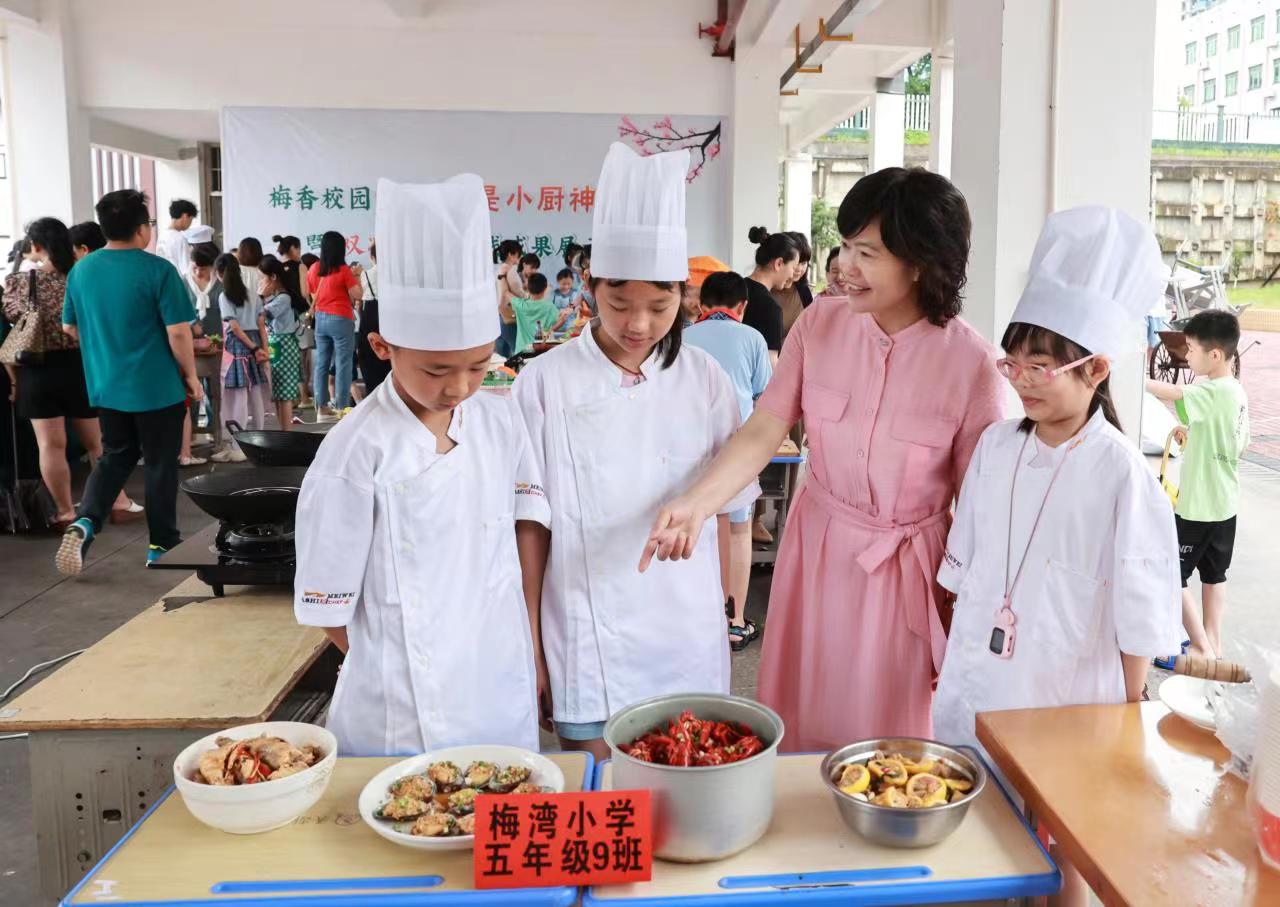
<point>903,827</point>
<point>701,813</point>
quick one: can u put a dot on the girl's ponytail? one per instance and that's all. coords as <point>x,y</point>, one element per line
<point>1102,400</point>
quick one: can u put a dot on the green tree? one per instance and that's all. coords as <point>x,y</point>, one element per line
<point>822,231</point>
<point>919,75</point>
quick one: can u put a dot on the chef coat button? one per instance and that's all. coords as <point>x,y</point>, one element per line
<point>861,454</point>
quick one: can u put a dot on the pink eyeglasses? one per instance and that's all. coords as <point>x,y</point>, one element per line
<point>1037,374</point>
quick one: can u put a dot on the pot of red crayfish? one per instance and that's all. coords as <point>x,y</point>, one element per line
<point>709,762</point>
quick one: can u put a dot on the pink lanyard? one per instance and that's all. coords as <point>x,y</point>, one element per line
<point>1003,635</point>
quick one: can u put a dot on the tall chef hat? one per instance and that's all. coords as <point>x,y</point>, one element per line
<point>638,230</point>
<point>436,287</point>
<point>1095,273</point>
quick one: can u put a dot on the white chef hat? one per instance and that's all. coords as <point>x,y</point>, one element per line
<point>436,289</point>
<point>638,228</point>
<point>199,234</point>
<point>1094,275</point>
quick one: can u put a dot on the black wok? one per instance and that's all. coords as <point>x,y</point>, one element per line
<point>265,494</point>
<point>277,448</point>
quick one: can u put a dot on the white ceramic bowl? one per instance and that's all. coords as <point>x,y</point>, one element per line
<point>249,809</point>
<point>544,772</point>
<point>1189,698</point>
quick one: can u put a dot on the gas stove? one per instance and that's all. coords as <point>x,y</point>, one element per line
<point>226,554</point>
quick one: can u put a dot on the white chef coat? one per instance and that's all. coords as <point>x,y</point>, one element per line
<point>414,553</point>
<point>611,457</point>
<point>172,246</point>
<point>1101,575</point>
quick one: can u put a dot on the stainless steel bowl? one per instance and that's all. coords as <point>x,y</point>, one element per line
<point>708,812</point>
<point>903,827</point>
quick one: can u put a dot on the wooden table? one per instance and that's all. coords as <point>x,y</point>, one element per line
<point>105,728</point>
<point>809,856</point>
<point>1139,801</point>
<point>329,853</point>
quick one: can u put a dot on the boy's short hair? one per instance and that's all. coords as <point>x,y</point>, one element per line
<point>180,206</point>
<point>1215,330</point>
<point>565,274</point>
<point>121,213</point>
<point>723,290</point>
<point>89,235</point>
<point>203,255</point>
<point>537,283</point>
<point>529,258</point>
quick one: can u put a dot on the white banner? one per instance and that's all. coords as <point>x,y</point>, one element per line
<point>305,171</point>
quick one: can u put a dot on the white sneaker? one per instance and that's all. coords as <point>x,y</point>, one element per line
<point>192,461</point>
<point>228,455</point>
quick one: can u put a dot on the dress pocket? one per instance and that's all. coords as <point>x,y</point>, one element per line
<point>823,404</point>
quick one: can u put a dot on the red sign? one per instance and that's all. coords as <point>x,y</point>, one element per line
<point>552,840</point>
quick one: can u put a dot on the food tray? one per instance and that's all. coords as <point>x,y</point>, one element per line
<point>326,857</point>
<point>810,855</point>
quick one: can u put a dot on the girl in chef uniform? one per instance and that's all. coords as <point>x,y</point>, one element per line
<point>1063,555</point>
<point>406,523</point>
<point>621,419</point>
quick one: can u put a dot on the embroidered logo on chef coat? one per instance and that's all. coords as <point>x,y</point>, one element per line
<point>530,489</point>
<point>953,561</point>
<point>327,598</point>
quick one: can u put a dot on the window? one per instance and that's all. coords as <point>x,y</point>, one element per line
<point>1233,37</point>
<point>1229,84</point>
<point>1189,91</point>
<point>1275,71</point>
<point>1191,53</point>
<point>1210,90</point>
<point>1257,28</point>
<point>1211,46</point>
<point>1255,77</point>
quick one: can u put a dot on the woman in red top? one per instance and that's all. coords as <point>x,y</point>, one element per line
<point>334,287</point>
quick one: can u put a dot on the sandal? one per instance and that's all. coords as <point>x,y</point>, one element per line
<point>741,637</point>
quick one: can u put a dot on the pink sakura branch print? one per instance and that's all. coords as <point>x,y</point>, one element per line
<point>666,136</point>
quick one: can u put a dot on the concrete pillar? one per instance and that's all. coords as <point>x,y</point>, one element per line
<point>1026,139</point>
<point>888,117</point>
<point>753,152</point>
<point>941,113</point>
<point>48,131</point>
<point>797,193</point>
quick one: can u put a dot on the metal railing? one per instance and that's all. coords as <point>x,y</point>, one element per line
<point>1218,127</point>
<point>915,118</point>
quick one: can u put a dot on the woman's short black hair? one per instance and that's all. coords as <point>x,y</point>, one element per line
<point>669,346</point>
<point>249,252</point>
<point>89,235</point>
<point>308,259</point>
<point>506,249</point>
<point>773,246</point>
<point>121,213</point>
<point>924,221</point>
<point>333,252</point>
<point>180,206</point>
<point>52,235</point>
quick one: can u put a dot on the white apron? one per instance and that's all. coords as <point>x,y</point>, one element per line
<point>612,456</point>
<point>440,649</point>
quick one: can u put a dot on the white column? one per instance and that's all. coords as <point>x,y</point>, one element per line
<point>48,131</point>
<point>797,193</point>
<point>1016,161</point>
<point>888,123</point>
<point>753,152</point>
<point>941,108</point>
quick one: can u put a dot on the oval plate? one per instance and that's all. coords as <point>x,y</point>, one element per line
<point>544,772</point>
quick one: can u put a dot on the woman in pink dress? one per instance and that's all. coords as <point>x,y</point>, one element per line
<point>894,391</point>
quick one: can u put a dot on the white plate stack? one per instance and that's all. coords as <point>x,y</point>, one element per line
<point>1266,775</point>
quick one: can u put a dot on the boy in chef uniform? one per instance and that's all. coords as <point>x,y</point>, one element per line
<point>406,522</point>
<point>1063,555</point>
<point>621,419</point>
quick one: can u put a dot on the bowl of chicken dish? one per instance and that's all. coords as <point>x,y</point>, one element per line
<point>256,777</point>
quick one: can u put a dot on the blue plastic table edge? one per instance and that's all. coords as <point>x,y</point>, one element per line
<point>543,897</point>
<point>856,895</point>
